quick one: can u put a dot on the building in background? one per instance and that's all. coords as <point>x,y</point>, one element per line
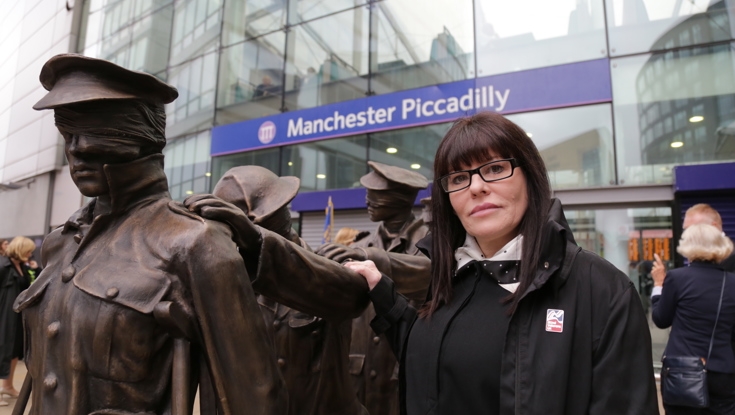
<point>616,94</point>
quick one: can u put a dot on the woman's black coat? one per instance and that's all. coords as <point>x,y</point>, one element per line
<point>601,362</point>
<point>11,284</point>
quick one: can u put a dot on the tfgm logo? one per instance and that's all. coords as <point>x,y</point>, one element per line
<point>267,132</point>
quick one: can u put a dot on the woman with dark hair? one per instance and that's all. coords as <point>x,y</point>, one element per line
<point>519,319</point>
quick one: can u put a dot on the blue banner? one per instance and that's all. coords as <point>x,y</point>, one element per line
<point>552,87</point>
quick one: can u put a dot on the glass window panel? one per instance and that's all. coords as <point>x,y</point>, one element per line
<point>648,143</point>
<point>419,43</point>
<point>268,158</point>
<point>575,143</point>
<point>514,36</point>
<point>303,10</point>
<point>251,79</point>
<point>649,25</point>
<point>628,238</point>
<point>193,110</point>
<point>192,35</point>
<point>327,60</point>
<point>252,18</point>
<point>151,40</point>
<point>187,164</point>
<point>410,148</point>
<point>326,164</point>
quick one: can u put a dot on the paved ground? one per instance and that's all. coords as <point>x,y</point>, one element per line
<point>20,373</point>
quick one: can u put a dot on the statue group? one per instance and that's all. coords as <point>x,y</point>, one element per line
<point>143,300</point>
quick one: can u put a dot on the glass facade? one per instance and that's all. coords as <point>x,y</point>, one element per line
<point>672,72</point>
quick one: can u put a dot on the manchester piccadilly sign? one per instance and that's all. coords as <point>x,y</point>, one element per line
<point>536,89</point>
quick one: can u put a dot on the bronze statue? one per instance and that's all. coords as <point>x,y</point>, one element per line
<point>391,192</point>
<point>139,300</point>
<point>312,352</point>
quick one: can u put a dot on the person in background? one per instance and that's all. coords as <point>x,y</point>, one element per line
<point>518,319</point>
<point>3,246</point>
<point>686,299</point>
<point>346,236</point>
<point>699,213</point>
<point>15,276</point>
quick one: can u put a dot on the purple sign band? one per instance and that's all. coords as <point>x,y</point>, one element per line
<point>552,87</point>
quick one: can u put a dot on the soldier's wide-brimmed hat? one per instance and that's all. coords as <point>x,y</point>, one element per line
<point>72,78</point>
<point>256,190</point>
<point>385,177</point>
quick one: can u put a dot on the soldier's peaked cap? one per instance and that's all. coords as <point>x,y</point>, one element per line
<point>71,78</point>
<point>256,190</point>
<point>385,177</point>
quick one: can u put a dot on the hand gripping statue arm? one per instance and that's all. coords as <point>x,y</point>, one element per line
<point>286,272</point>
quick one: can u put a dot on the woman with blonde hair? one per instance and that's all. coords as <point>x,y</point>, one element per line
<point>14,278</point>
<point>687,300</point>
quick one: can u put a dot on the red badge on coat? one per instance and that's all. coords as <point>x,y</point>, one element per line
<point>555,320</point>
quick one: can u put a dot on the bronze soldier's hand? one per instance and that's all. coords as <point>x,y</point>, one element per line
<point>245,233</point>
<point>341,253</point>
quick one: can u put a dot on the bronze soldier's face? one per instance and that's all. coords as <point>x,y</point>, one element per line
<point>86,157</point>
<point>382,207</point>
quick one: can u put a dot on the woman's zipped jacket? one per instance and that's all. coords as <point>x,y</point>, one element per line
<point>578,344</point>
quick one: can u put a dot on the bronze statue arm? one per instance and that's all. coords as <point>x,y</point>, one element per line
<point>306,281</point>
<point>246,379</point>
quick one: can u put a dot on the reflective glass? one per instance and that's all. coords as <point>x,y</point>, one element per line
<point>649,25</point>
<point>251,79</point>
<point>520,35</point>
<point>193,110</point>
<point>268,158</point>
<point>575,143</point>
<point>303,10</point>
<point>196,26</point>
<point>628,238</point>
<point>419,43</point>
<point>252,18</point>
<point>673,108</point>
<point>326,164</point>
<point>327,60</point>
<point>410,148</point>
<point>150,42</point>
<point>187,165</point>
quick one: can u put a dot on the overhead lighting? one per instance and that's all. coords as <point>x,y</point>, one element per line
<point>290,163</point>
<point>415,166</point>
<point>696,118</point>
<point>529,135</point>
<point>189,192</point>
<point>321,176</point>
<point>391,150</point>
<point>676,144</point>
<point>208,174</point>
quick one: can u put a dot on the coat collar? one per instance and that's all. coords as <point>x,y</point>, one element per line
<point>702,264</point>
<point>129,183</point>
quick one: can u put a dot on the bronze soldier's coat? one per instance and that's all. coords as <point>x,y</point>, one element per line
<point>94,345</point>
<point>372,362</point>
<point>312,352</point>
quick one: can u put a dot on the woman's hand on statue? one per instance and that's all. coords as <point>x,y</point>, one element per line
<point>367,269</point>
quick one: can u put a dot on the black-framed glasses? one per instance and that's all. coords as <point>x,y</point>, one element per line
<point>489,172</point>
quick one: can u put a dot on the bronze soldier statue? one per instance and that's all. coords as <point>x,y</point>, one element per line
<point>139,299</point>
<point>391,193</point>
<point>312,352</point>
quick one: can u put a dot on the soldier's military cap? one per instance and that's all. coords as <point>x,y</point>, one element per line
<point>71,78</point>
<point>385,177</point>
<point>256,190</point>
